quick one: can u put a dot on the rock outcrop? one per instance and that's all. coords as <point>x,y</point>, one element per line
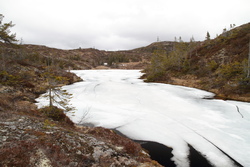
<point>32,141</point>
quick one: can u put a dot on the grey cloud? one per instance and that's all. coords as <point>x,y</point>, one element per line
<point>124,24</point>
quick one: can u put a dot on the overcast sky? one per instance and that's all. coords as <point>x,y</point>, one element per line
<point>119,24</point>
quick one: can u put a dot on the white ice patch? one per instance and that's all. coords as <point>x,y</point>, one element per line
<point>168,114</point>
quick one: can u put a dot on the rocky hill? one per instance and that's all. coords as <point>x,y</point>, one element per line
<point>218,65</point>
<point>30,139</point>
<point>222,64</point>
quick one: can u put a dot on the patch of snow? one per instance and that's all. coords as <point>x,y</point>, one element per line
<point>172,115</point>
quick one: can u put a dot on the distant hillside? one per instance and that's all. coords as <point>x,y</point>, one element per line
<point>165,45</point>
<point>219,65</point>
<point>89,58</point>
<point>46,137</point>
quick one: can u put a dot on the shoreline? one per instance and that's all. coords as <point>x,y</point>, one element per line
<point>193,82</point>
<point>163,154</point>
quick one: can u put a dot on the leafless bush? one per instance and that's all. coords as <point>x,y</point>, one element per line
<point>84,116</point>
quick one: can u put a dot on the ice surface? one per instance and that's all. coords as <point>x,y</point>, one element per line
<point>168,114</point>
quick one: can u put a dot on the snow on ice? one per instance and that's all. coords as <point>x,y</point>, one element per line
<point>172,115</point>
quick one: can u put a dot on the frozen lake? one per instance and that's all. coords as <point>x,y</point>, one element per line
<point>171,115</point>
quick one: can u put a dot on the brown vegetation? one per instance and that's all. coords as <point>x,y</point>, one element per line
<point>219,65</point>
<point>47,137</point>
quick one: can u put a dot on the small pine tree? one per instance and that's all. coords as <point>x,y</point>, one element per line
<point>180,39</point>
<point>192,39</point>
<point>56,95</point>
<point>208,36</point>
<point>5,35</point>
<point>58,98</point>
<point>58,102</point>
<point>175,39</point>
